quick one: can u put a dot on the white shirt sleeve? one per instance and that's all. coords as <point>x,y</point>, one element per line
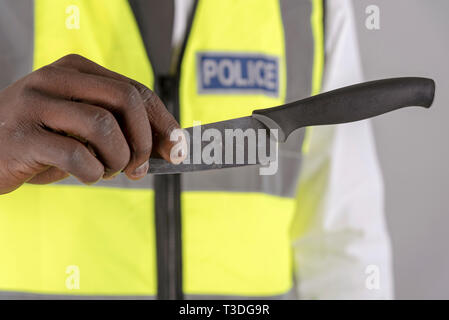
<point>341,245</point>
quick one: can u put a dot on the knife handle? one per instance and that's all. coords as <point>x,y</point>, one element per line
<point>353,103</point>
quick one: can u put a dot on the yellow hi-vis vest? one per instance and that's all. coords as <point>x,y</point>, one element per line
<point>90,241</point>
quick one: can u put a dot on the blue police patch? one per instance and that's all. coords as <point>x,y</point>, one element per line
<point>221,73</point>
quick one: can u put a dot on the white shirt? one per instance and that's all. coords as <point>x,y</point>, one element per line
<point>344,251</point>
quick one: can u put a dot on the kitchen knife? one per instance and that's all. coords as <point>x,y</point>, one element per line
<point>348,104</point>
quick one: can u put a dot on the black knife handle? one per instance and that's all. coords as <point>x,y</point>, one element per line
<point>353,103</point>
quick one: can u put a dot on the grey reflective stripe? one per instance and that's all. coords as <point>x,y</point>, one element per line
<point>247,179</point>
<point>16,295</point>
<point>120,181</point>
<point>16,40</point>
<point>241,179</point>
<point>299,47</point>
<point>291,295</point>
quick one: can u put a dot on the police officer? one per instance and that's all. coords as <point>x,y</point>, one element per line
<point>91,89</point>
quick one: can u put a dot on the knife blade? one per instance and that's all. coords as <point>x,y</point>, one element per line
<point>253,139</point>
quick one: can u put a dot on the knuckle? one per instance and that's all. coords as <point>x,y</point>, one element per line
<point>147,94</point>
<point>155,107</point>
<point>22,132</point>
<point>69,59</point>
<point>48,70</point>
<point>40,75</point>
<point>28,96</point>
<point>75,157</point>
<point>151,100</point>
<point>171,124</point>
<point>25,99</point>
<point>30,106</point>
<point>73,57</point>
<point>130,97</point>
<point>103,124</point>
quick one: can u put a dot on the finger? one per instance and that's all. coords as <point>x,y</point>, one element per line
<point>162,122</point>
<point>164,125</point>
<point>52,174</point>
<point>69,155</point>
<point>91,124</point>
<point>119,98</point>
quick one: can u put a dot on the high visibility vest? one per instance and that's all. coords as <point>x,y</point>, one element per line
<point>90,241</point>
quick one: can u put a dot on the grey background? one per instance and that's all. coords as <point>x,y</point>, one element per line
<point>412,144</point>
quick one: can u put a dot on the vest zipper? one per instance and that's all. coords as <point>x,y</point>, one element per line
<point>168,214</point>
<point>168,198</point>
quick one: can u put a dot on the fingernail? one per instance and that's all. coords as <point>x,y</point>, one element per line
<point>106,176</point>
<point>179,153</point>
<point>141,171</point>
